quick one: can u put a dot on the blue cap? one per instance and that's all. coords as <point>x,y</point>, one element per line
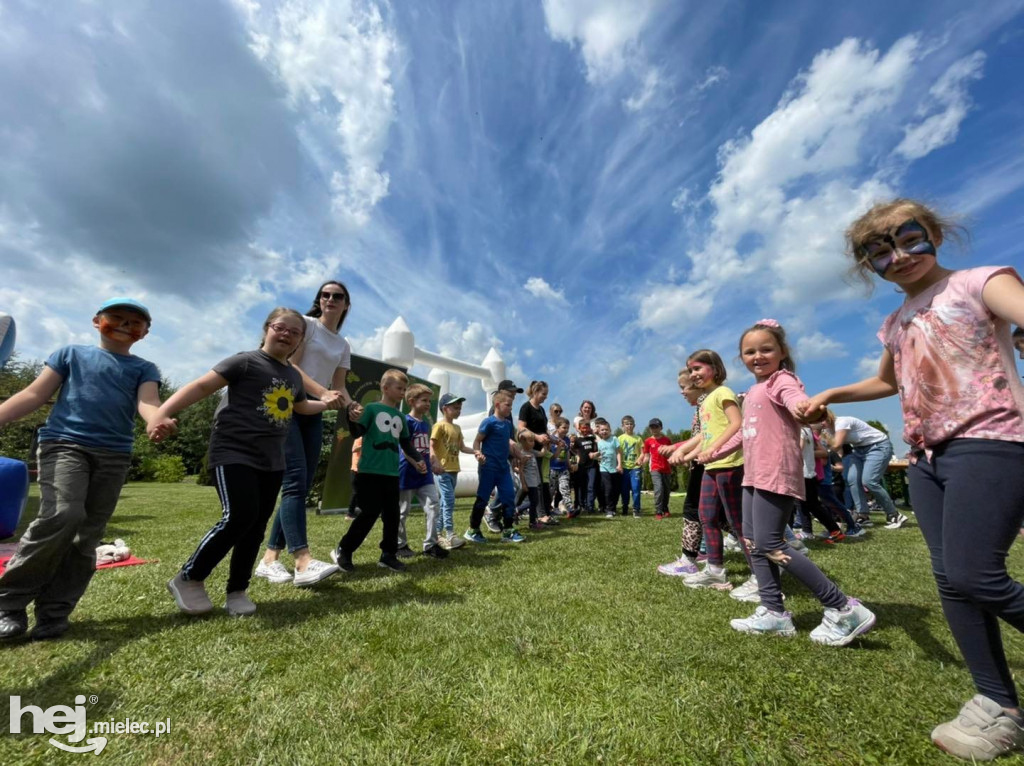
<point>126,303</point>
<point>449,399</point>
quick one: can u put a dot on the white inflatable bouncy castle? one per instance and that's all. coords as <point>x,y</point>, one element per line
<point>399,349</point>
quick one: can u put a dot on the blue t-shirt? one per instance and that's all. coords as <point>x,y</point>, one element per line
<point>408,476</point>
<point>98,398</point>
<point>497,434</point>
<point>559,453</point>
<point>608,448</point>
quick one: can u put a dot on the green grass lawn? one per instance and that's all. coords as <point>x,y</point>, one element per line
<point>569,648</point>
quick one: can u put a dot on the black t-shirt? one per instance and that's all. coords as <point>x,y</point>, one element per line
<point>253,418</point>
<point>583,447</point>
<point>534,418</point>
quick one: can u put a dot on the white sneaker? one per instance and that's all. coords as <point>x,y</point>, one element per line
<point>275,571</point>
<point>454,541</point>
<point>730,543</point>
<point>190,595</point>
<point>315,572</point>
<point>898,522</point>
<point>982,731</point>
<point>766,623</point>
<point>840,627</point>
<point>705,578</point>
<point>748,592</point>
<point>239,605</point>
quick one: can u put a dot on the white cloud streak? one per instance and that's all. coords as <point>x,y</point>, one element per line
<point>539,288</point>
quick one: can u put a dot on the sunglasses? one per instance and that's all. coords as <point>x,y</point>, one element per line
<point>333,296</point>
<point>909,238</point>
<point>283,329</point>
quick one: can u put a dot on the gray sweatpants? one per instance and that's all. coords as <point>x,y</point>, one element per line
<point>430,499</point>
<point>56,557</point>
<point>660,482</point>
<point>766,514</point>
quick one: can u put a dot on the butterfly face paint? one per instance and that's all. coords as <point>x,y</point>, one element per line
<point>910,238</point>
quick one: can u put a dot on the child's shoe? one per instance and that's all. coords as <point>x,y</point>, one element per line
<point>766,623</point>
<point>681,567</point>
<point>435,552</point>
<point>512,536</point>
<point>748,592</point>
<point>837,536</point>
<point>189,595</point>
<point>609,514</point>
<point>239,605</point>
<point>536,525</point>
<point>492,522</point>
<point>275,571</point>
<point>453,540</point>
<point>857,531</point>
<point>392,562</point>
<point>315,572</point>
<point>405,552</point>
<point>659,516</point>
<point>474,536</point>
<point>981,732</point>
<point>637,515</point>
<point>730,543</point>
<point>705,578</point>
<point>840,627</point>
<point>50,629</point>
<point>342,559</point>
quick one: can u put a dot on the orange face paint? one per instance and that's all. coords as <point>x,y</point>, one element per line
<point>109,329</point>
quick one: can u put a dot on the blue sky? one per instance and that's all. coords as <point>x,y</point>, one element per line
<point>594,187</point>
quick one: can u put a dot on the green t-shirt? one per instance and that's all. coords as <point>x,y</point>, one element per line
<point>630,446</point>
<point>384,427</point>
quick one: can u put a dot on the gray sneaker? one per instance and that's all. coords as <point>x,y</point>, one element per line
<point>748,592</point>
<point>239,605</point>
<point>493,523</point>
<point>190,595</point>
<point>705,578</point>
<point>982,731</point>
<point>840,627</point>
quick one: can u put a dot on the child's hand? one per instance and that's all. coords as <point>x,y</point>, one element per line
<point>161,429</point>
<point>704,458</point>
<point>811,410</point>
<point>666,450</point>
<point>594,455</point>
<point>420,466</point>
<point>618,469</point>
<point>354,410</point>
<point>677,458</point>
<point>436,467</point>
<point>480,457</point>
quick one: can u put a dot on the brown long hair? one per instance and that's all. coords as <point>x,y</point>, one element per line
<point>316,311</point>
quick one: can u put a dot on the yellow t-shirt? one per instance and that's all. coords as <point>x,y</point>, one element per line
<point>713,423</point>
<point>449,441</point>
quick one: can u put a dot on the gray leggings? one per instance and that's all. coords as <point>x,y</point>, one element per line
<point>767,515</point>
<point>969,502</point>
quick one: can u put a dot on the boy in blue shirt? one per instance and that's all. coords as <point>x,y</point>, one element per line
<point>610,464</point>
<point>494,439</point>
<point>85,450</point>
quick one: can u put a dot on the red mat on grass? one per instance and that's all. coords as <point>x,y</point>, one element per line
<point>128,562</point>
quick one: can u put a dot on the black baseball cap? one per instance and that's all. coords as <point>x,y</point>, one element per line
<point>655,423</point>
<point>508,385</point>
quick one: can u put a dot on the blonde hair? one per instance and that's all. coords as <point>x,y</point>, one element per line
<point>535,387</point>
<point>504,396</point>
<point>882,217</point>
<point>525,436</point>
<point>393,376</point>
<point>415,391</point>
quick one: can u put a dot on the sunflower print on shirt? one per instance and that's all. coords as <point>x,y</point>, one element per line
<point>278,403</point>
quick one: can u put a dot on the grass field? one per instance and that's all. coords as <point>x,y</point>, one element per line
<point>569,648</point>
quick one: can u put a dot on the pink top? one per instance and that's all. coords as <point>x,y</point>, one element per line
<point>771,436</point>
<point>954,363</point>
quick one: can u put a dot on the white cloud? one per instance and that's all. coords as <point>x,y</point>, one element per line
<point>618,366</point>
<point>334,58</point>
<point>713,76</point>
<point>950,94</point>
<point>539,288</point>
<point>643,97</point>
<point>671,307</point>
<point>818,346</point>
<point>606,30</point>
<point>868,365</point>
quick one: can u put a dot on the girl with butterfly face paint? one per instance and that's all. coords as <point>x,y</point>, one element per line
<point>948,354</point>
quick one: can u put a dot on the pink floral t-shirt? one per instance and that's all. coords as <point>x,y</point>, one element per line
<point>954,364</point>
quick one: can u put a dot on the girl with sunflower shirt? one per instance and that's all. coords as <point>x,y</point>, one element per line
<point>246,456</point>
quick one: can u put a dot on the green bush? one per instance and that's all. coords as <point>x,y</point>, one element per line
<point>168,469</point>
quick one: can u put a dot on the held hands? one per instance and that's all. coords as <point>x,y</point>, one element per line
<point>332,400</point>
<point>666,450</point>
<point>811,410</point>
<point>435,466</point>
<point>480,457</point>
<point>677,457</point>
<point>419,465</point>
<point>354,410</point>
<point>160,429</point>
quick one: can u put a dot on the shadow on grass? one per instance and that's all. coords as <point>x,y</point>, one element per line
<point>913,620</point>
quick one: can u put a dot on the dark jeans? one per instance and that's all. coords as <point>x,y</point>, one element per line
<point>610,483</point>
<point>56,557</point>
<point>247,497</point>
<point>302,455</point>
<point>812,507</point>
<point>378,497</point>
<point>586,479</point>
<point>969,502</point>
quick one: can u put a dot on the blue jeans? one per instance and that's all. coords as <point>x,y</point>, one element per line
<point>867,469</point>
<point>446,486</point>
<point>301,456</point>
<point>631,485</point>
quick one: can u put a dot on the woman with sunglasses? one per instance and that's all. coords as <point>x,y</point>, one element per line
<point>947,353</point>
<point>323,359</point>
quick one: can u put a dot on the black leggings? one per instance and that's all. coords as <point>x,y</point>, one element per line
<point>247,497</point>
<point>378,496</point>
<point>813,506</point>
<point>969,502</point>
